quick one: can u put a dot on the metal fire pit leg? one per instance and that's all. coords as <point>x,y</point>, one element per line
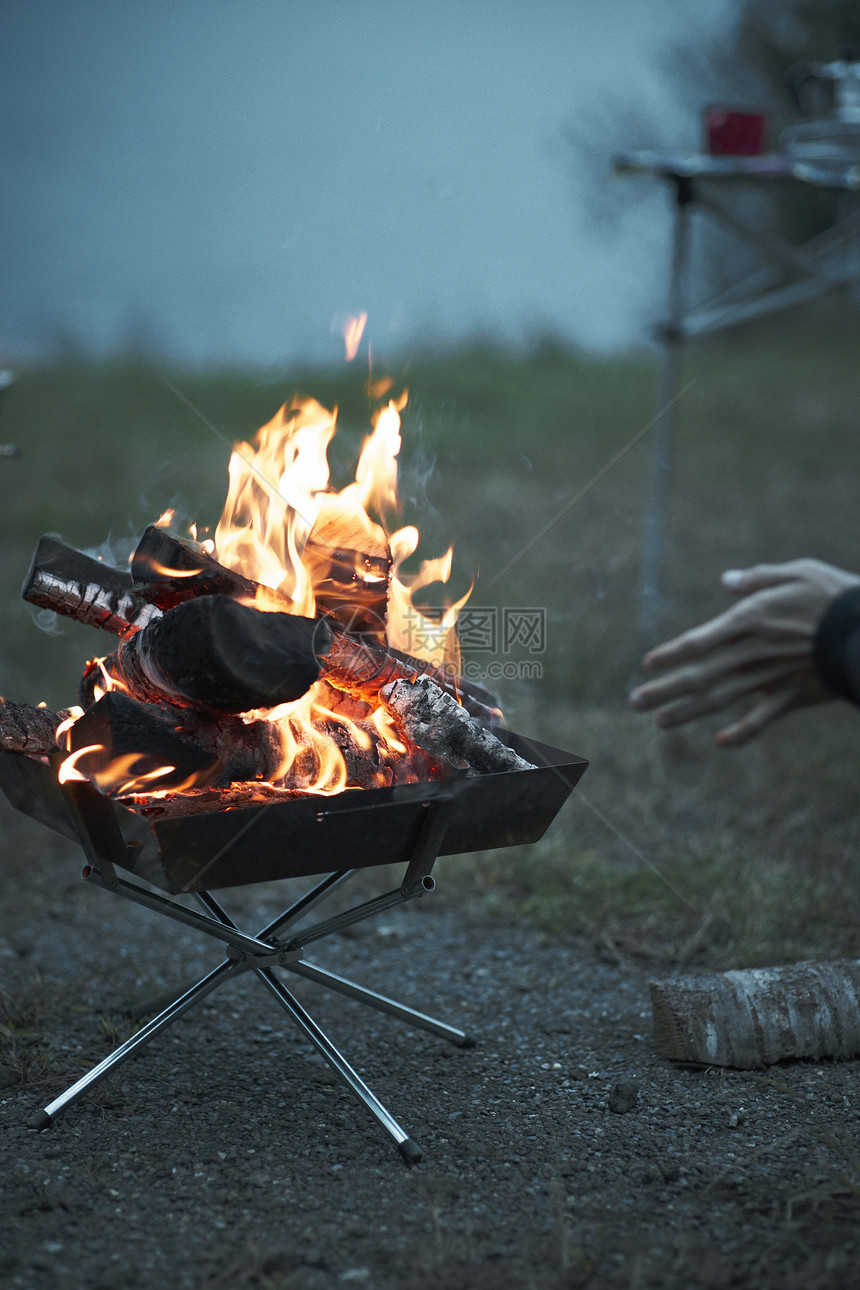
<point>312,972</point>
<point>43,1119</point>
<point>410,1152</point>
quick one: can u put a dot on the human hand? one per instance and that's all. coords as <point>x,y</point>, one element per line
<point>761,646</point>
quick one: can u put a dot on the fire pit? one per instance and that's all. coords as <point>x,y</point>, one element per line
<point>261,719</point>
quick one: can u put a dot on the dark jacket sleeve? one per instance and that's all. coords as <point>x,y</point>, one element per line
<point>836,649</point>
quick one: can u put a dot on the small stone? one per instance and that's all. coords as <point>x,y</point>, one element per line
<point>624,1096</point>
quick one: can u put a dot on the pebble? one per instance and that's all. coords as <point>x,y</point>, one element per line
<point>624,1096</point>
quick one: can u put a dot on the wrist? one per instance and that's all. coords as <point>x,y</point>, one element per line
<point>836,645</point>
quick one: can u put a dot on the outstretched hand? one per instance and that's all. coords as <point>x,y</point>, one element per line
<point>761,646</point>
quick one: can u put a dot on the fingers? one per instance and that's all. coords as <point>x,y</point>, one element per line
<point>726,691</point>
<point>694,643</point>
<point>750,659</point>
<point>779,603</point>
<point>767,710</point>
<point>760,576</point>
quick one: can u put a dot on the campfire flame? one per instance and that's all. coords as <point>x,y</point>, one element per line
<point>285,527</point>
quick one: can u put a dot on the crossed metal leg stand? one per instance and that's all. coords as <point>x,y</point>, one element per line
<point>268,951</point>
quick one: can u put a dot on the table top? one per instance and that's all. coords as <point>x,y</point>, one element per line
<point>765,168</point>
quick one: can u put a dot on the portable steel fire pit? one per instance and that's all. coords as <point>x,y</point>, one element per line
<point>409,825</point>
<point>246,731</point>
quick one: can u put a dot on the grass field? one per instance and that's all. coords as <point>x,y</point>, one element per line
<point>757,847</point>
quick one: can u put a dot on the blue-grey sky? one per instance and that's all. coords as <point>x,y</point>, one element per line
<point>228,178</point>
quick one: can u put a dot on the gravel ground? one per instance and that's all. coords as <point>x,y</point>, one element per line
<point>560,1151</point>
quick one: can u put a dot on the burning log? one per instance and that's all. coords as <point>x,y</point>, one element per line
<point>167,572</point>
<point>143,737</point>
<point>362,670</point>
<point>25,729</point>
<point>753,1018</point>
<point>350,565</point>
<point>215,653</point>
<point>350,581</point>
<point>434,722</point>
<point>70,583</point>
<point>194,573</point>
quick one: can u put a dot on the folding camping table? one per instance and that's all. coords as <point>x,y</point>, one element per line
<point>410,825</point>
<point>793,275</point>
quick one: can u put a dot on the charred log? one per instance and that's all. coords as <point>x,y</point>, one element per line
<point>26,729</point>
<point>142,740</point>
<point>350,569</point>
<point>478,701</point>
<point>166,571</point>
<point>434,722</point>
<point>77,586</point>
<point>215,751</point>
<point>219,655</point>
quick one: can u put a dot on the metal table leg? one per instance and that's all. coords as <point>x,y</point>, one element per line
<point>665,423</point>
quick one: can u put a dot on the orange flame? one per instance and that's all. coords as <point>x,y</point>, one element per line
<point>352,334</point>
<point>286,528</point>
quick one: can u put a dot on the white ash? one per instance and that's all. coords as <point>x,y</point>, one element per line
<point>436,723</point>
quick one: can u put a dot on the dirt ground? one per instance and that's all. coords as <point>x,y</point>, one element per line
<point>559,1151</point>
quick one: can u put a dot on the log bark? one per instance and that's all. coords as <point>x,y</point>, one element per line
<point>27,729</point>
<point>144,739</point>
<point>478,701</point>
<point>432,720</point>
<point>166,571</point>
<point>224,751</point>
<point>90,591</point>
<point>752,1018</point>
<point>219,655</point>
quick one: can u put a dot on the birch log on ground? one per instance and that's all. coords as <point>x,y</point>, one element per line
<point>752,1018</point>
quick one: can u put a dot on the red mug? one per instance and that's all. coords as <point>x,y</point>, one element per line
<point>730,133</point>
